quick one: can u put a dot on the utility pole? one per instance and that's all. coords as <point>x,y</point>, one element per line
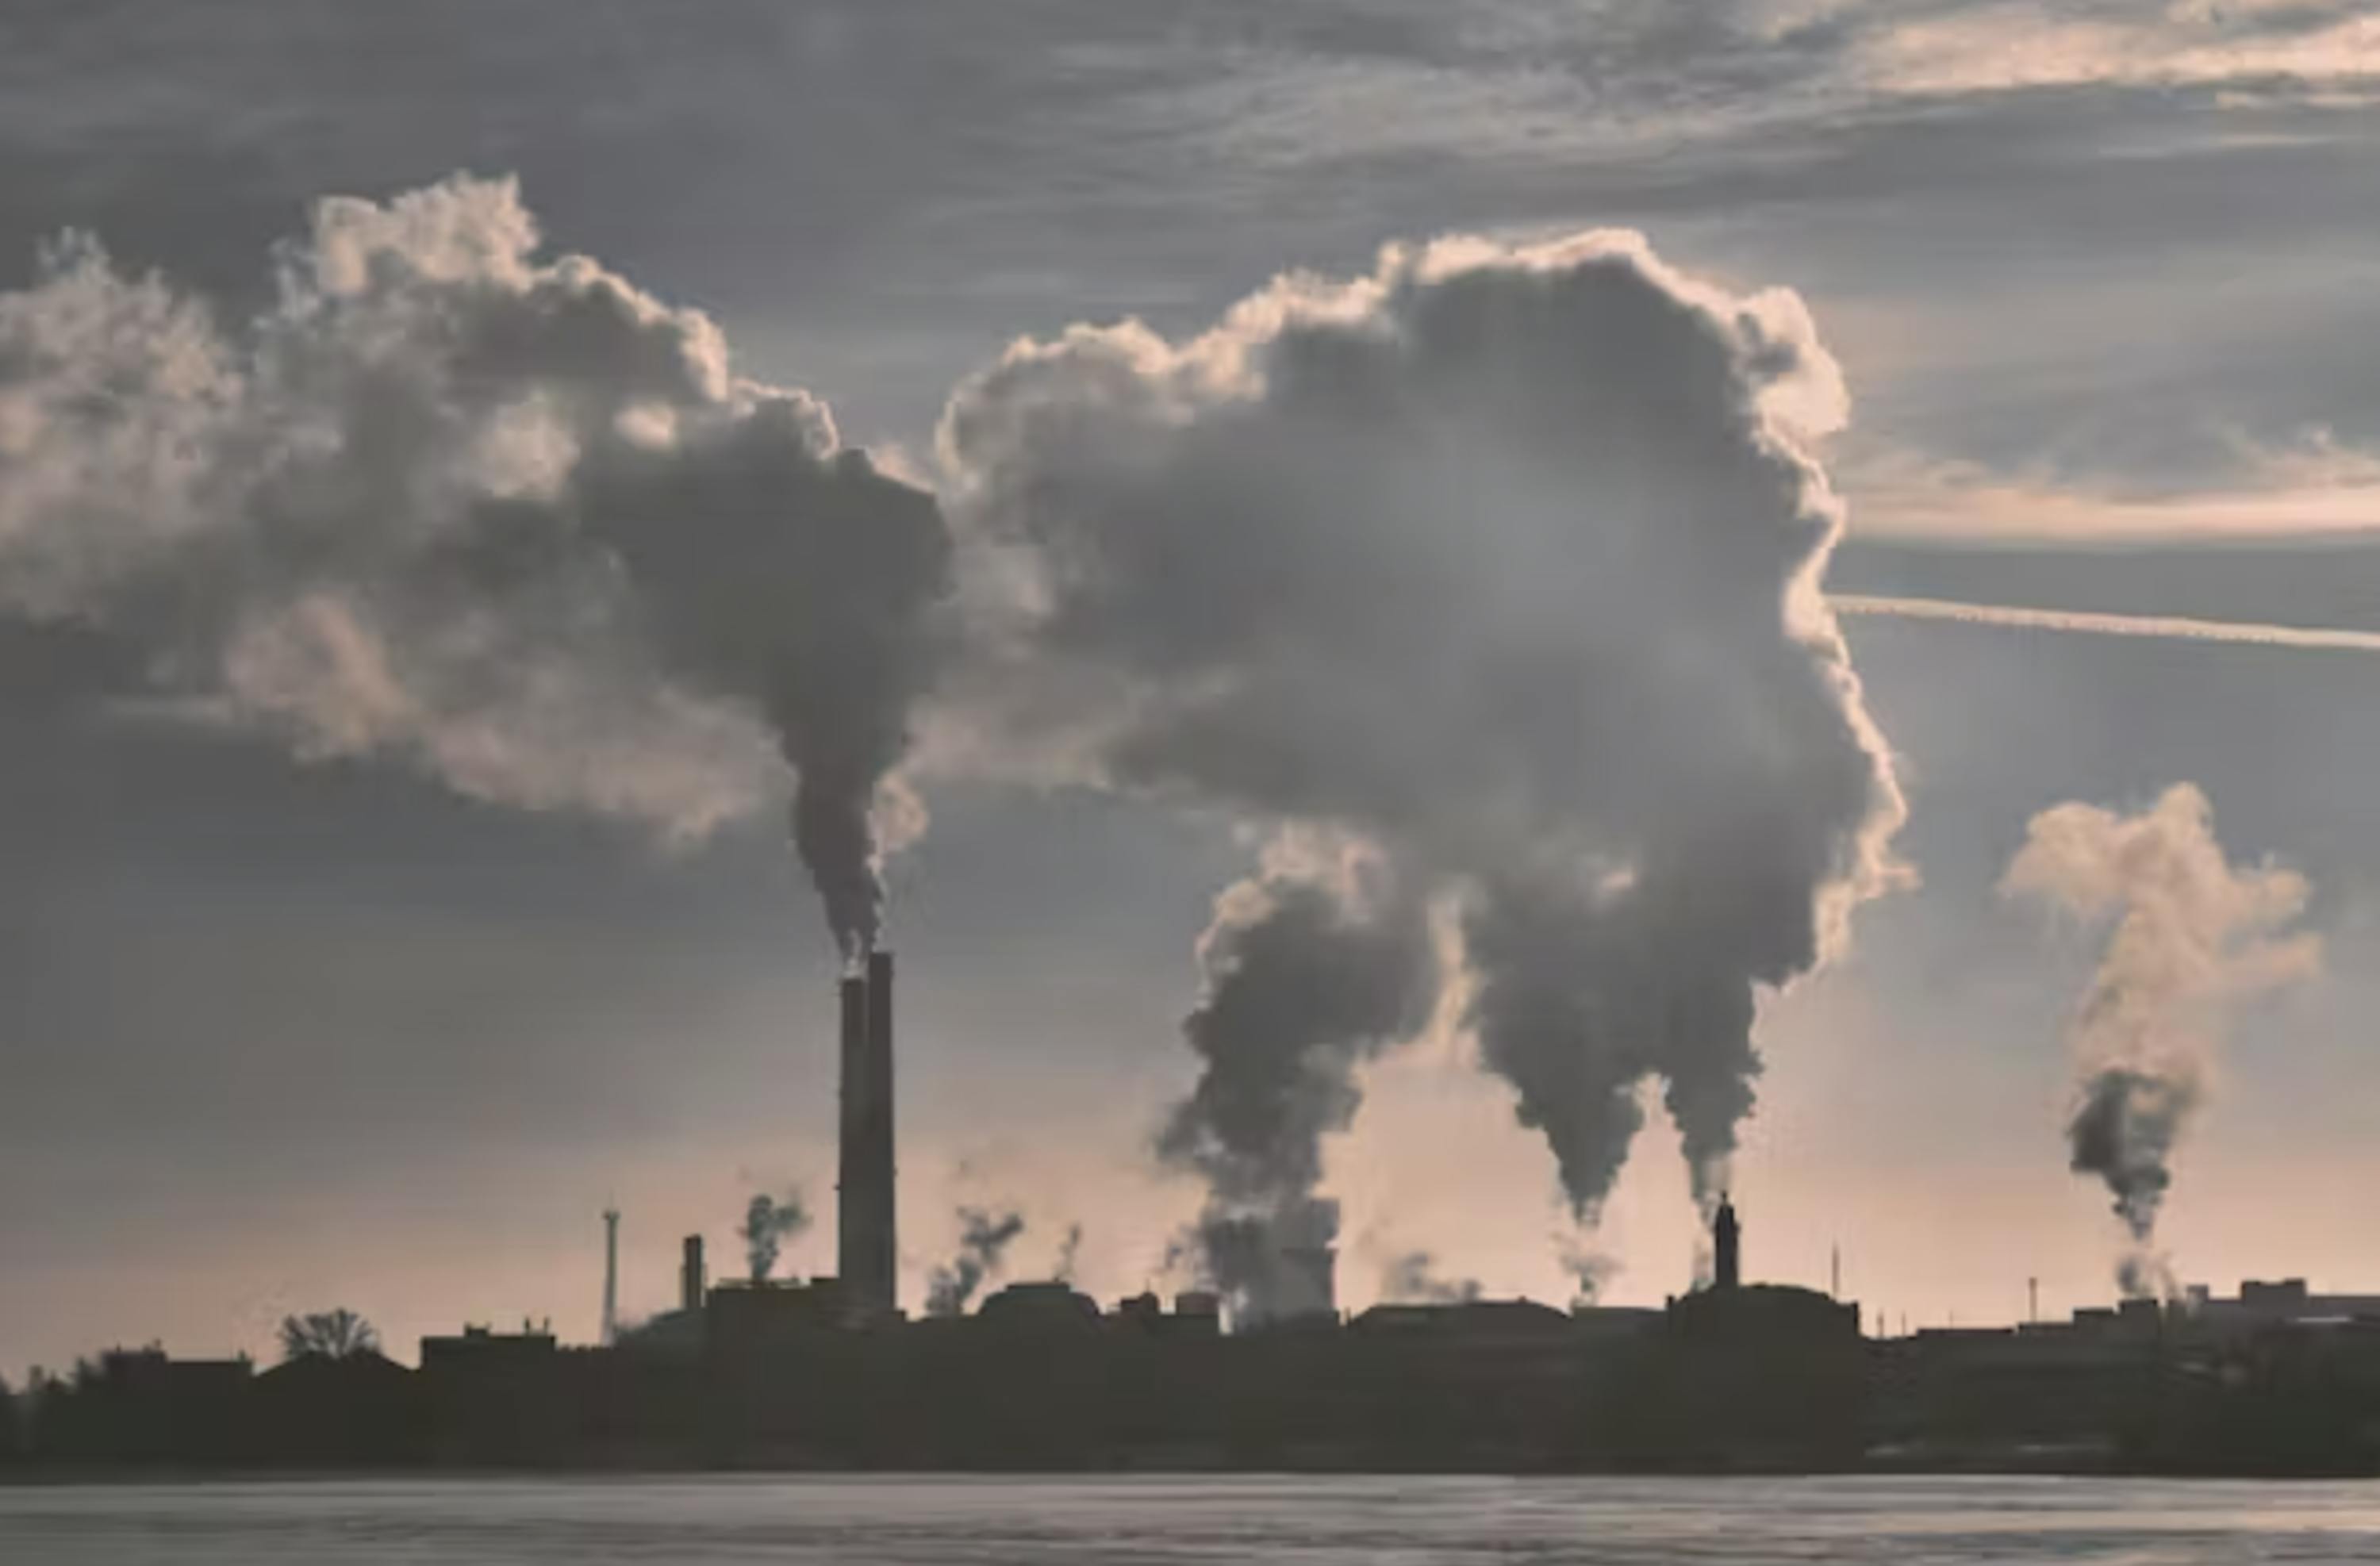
<point>611,1274</point>
<point>1835,1273</point>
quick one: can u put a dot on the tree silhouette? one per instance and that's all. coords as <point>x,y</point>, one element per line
<point>327,1334</point>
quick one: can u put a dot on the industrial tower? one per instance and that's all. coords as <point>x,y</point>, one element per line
<point>868,1250</point>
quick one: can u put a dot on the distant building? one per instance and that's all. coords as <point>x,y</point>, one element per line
<point>1468,1318</point>
<point>1194,1315</point>
<point>1039,1306</point>
<point>2260,1305</point>
<point>484,1349</point>
<point>742,1317</point>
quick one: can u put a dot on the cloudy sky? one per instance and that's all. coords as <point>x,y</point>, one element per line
<point>299,1007</point>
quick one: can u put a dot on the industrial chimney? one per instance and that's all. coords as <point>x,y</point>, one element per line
<point>691,1280</point>
<point>868,1252</point>
<point>1727,1243</point>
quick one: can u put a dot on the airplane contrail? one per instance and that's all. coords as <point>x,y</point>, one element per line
<point>2177,627</point>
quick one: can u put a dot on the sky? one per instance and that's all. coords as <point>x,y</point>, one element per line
<point>295,1015</point>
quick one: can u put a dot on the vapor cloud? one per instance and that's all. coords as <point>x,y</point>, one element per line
<point>2190,937</point>
<point>507,518</point>
<point>1413,1278</point>
<point>1502,561</point>
<point>983,1245</point>
<point>768,1223</point>
<point>1310,969</point>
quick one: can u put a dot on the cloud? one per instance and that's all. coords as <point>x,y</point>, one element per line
<point>2021,43</point>
<point>2315,487</point>
<point>1501,561</point>
<point>508,519</point>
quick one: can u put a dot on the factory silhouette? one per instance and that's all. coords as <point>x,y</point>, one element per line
<point>831,1374</point>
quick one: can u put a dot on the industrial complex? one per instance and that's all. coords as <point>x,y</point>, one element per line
<point>831,1373</point>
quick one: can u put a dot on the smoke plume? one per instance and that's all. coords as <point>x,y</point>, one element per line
<point>768,1223</point>
<point>2191,935</point>
<point>1504,562</point>
<point>505,516</point>
<point>1069,1255</point>
<point>1309,970</point>
<point>1413,1278</point>
<point>983,1243</point>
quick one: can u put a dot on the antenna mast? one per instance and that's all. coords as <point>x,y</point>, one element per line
<point>611,1275</point>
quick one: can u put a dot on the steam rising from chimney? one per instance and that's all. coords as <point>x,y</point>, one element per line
<point>1495,569</point>
<point>1310,969</point>
<point>509,519</point>
<point>2190,938</point>
<point>1413,1278</point>
<point>983,1246</point>
<point>1070,1252</point>
<point>1503,563</point>
<point>768,1223</point>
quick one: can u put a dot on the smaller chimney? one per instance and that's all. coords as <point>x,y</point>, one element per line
<point>1727,1243</point>
<point>691,1282</point>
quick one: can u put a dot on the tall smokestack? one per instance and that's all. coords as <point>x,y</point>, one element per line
<point>866,1248</point>
<point>1727,1244</point>
<point>692,1281</point>
<point>611,1275</point>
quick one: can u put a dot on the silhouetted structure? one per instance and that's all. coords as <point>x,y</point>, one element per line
<point>692,1281</point>
<point>611,1276</point>
<point>827,1373</point>
<point>866,1244</point>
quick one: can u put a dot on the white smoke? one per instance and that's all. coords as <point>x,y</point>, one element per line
<point>509,519</point>
<point>2191,935</point>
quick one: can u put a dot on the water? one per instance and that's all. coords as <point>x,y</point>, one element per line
<point>1305,1522</point>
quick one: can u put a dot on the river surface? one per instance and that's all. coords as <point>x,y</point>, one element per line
<point>1310,1521</point>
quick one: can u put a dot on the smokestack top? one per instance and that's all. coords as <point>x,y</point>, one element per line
<point>1727,1243</point>
<point>693,1278</point>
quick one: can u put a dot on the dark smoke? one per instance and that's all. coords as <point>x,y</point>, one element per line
<point>2190,937</point>
<point>836,665</point>
<point>2123,1132</point>
<point>1413,1278</point>
<point>1069,1253</point>
<point>505,516</point>
<point>769,1222</point>
<point>1305,979</point>
<point>983,1243</point>
<point>1503,560</point>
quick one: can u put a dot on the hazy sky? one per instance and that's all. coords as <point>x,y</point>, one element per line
<point>2104,283</point>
